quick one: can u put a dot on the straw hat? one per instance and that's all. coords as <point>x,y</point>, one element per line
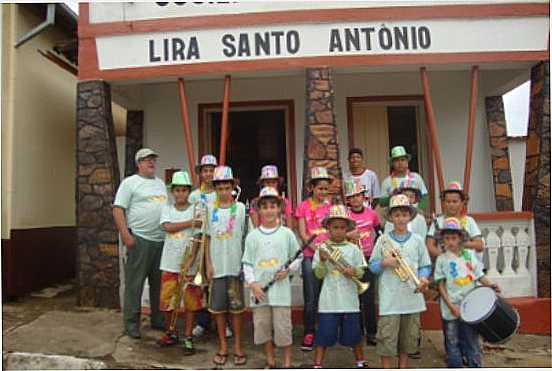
<point>401,201</point>
<point>339,212</point>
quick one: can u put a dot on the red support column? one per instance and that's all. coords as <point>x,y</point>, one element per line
<point>432,128</point>
<point>187,128</point>
<point>224,129</point>
<point>471,127</point>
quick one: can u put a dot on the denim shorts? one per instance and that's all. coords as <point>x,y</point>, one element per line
<point>331,326</point>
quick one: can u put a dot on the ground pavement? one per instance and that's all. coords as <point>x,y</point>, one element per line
<point>52,332</point>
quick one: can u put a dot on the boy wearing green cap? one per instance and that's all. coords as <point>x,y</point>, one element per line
<point>401,174</point>
<point>179,223</point>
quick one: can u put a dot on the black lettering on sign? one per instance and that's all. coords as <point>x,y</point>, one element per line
<point>335,41</point>
<point>262,41</point>
<point>367,34</point>
<point>243,46</point>
<point>229,48</point>
<point>277,40</point>
<point>401,37</point>
<point>173,49</point>
<point>414,37</point>
<point>293,42</point>
<point>352,38</point>
<point>385,38</point>
<point>424,37</point>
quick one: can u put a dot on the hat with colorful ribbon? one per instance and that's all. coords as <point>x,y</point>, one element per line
<point>339,212</point>
<point>206,160</point>
<point>352,188</point>
<point>223,174</point>
<point>454,186</point>
<point>181,178</point>
<point>453,225</point>
<point>397,152</point>
<point>318,173</point>
<point>409,184</point>
<point>270,172</point>
<point>400,201</point>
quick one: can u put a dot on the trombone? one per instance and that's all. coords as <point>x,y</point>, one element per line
<point>336,257</point>
<point>200,212</point>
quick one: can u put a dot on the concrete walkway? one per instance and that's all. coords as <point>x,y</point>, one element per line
<point>35,329</point>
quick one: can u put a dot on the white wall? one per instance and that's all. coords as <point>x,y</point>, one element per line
<point>449,91</point>
<point>516,150</point>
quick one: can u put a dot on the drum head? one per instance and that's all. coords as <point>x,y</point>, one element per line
<point>478,304</point>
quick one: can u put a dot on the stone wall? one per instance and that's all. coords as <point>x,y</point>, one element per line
<point>134,139</point>
<point>536,192</point>
<point>502,177</point>
<point>321,143</point>
<point>96,183</point>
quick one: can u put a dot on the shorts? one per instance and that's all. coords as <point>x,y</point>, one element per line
<point>192,301</point>
<point>398,333</point>
<point>226,295</point>
<point>330,325</point>
<point>269,320</point>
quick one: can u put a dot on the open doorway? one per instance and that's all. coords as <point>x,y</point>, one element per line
<point>259,134</point>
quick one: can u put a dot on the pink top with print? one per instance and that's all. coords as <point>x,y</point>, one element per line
<point>313,216</point>
<point>366,221</point>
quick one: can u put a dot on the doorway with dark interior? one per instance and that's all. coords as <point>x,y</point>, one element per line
<point>258,136</point>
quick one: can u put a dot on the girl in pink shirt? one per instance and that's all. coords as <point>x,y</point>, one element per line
<point>310,214</point>
<point>368,223</point>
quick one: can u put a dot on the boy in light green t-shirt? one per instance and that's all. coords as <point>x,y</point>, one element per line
<point>225,226</point>
<point>400,302</point>
<point>338,306</point>
<point>271,252</point>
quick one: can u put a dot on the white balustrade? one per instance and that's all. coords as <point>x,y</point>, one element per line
<point>510,255</point>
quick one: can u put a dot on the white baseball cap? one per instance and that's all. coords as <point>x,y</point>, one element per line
<point>143,153</point>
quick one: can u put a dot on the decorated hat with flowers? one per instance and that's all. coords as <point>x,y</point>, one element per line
<point>206,160</point>
<point>352,188</point>
<point>223,174</point>
<point>339,212</point>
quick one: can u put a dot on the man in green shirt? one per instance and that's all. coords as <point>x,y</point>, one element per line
<point>137,211</point>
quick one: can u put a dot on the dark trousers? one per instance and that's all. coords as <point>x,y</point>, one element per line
<point>368,322</point>
<point>142,262</point>
<point>311,293</point>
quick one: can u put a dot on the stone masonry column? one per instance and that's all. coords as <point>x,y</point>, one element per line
<point>134,139</point>
<point>536,190</point>
<point>321,143</point>
<point>502,177</point>
<point>96,183</point>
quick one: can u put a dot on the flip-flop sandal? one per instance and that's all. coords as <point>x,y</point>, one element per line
<point>223,356</point>
<point>240,359</point>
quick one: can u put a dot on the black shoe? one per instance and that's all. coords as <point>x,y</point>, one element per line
<point>133,331</point>
<point>371,341</point>
<point>416,355</point>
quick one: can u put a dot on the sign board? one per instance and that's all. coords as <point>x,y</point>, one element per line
<point>323,39</point>
<point>101,12</point>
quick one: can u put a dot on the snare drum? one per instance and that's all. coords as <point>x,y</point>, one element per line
<point>489,314</point>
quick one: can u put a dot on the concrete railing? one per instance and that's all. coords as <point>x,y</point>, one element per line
<point>510,253</point>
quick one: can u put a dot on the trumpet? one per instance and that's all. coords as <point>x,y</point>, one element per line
<point>336,257</point>
<point>403,271</point>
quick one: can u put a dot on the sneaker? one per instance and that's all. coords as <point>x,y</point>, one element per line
<point>308,341</point>
<point>229,333</point>
<point>167,340</point>
<point>317,365</point>
<point>198,331</point>
<point>361,364</point>
<point>188,347</point>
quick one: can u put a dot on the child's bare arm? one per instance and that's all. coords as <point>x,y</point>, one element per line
<point>432,247</point>
<point>303,230</point>
<point>177,227</point>
<point>444,295</point>
<point>474,244</point>
<point>487,282</point>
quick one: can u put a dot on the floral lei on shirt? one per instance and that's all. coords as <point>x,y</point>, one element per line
<point>469,277</point>
<point>227,232</point>
<point>395,182</point>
